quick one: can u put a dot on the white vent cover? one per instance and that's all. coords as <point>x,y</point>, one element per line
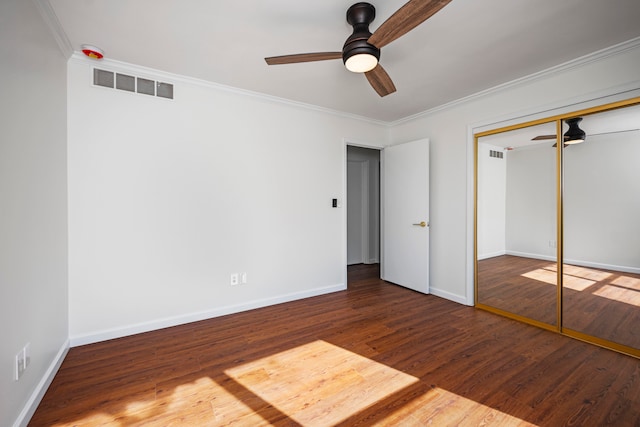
<point>129,83</point>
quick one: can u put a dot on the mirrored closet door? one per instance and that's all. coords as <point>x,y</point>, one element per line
<point>601,271</point>
<point>541,208</point>
<point>516,223</point>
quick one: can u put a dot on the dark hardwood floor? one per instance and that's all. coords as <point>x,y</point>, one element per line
<point>597,302</point>
<point>506,283</point>
<point>375,354</point>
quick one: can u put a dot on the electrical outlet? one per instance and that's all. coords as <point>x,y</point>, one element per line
<point>234,279</point>
<point>19,366</point>
<point>243,278</point>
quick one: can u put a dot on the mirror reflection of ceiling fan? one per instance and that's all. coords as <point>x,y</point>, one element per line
<point>361,50</point>
<point>575,135</point>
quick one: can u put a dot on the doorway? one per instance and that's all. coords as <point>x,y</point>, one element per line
<point>363,205</point>
<point>387,216</point>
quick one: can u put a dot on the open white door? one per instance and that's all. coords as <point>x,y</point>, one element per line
<point>405,215</point>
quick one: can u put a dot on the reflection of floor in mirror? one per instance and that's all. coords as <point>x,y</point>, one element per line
<point>601,303</point>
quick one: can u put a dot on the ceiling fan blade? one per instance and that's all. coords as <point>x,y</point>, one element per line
<point>380,81</point>
<point>543,137</point>
<point>409,16</point>
<point>303,57</point>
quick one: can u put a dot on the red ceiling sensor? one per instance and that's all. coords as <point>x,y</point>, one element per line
<point>92,51</point>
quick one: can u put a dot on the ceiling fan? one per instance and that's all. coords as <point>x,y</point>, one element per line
<point>575,135</point>
<point>361,50</point>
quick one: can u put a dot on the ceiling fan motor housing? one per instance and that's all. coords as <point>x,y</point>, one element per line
<point>360,15</point>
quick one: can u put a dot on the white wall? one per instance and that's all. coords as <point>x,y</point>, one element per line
<point>449,130</point>
<point>33,206</point>
<point>602,202</point>
<point>531,213</point>
<point>168,198</point>
<point>492,187</point>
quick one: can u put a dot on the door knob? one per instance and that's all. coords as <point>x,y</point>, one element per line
<point>422,224</point>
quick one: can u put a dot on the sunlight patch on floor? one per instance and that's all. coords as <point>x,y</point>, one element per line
<point>584,272</point>
<point>319,384</point>
<point>576,283</point>
<point>622,289</point>
<point>574,277</point>
<point>98,419</point>
<point>627,282</point>
<point>440,407</point>
<point>542,275</point>
<point>620,294</point>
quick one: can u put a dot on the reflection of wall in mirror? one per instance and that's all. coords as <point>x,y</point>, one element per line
<point>491,201</point>
<point>602,202</point>
<point>531,213</point>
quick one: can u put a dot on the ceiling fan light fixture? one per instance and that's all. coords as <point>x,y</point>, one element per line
<point>574,135</point>
<point>358,55</point>
<point>361,63</point>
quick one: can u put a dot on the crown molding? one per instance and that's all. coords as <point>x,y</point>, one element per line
<point>155,74</point>
<point>575,63</point>
<point>51,19</point>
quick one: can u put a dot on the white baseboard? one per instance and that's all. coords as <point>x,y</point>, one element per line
<point>621,268</point>
<point>581,263</point>
<point>533,256</point>
<point>491,255</point>
<point>153,325</point>
<point>44,383</point>
<point>460,299</point>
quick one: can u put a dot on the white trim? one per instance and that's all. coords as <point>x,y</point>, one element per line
<point>580,263</point>
<point>490,255</point>
<point>155,74</point>
<point>460,299</point>
<point>552,258</point>
<point>361,144</point>
<point>124,331</point>
<point>38,393</point>
<point>51,19</point>
<point>345,206</point>
<point>618,268</point>
<point>470,229</point>
<point>575,63</point>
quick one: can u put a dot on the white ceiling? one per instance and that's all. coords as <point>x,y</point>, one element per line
<point>467,47</point>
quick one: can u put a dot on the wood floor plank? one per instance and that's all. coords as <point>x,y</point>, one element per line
<point>375,354</point>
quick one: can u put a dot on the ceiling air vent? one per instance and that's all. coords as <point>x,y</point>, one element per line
<point>165,90</point>
<point>496,154</point>
<point>103,78</point>
<point>129,83</point>
<point>147,87</point>
<point>124,82</point>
